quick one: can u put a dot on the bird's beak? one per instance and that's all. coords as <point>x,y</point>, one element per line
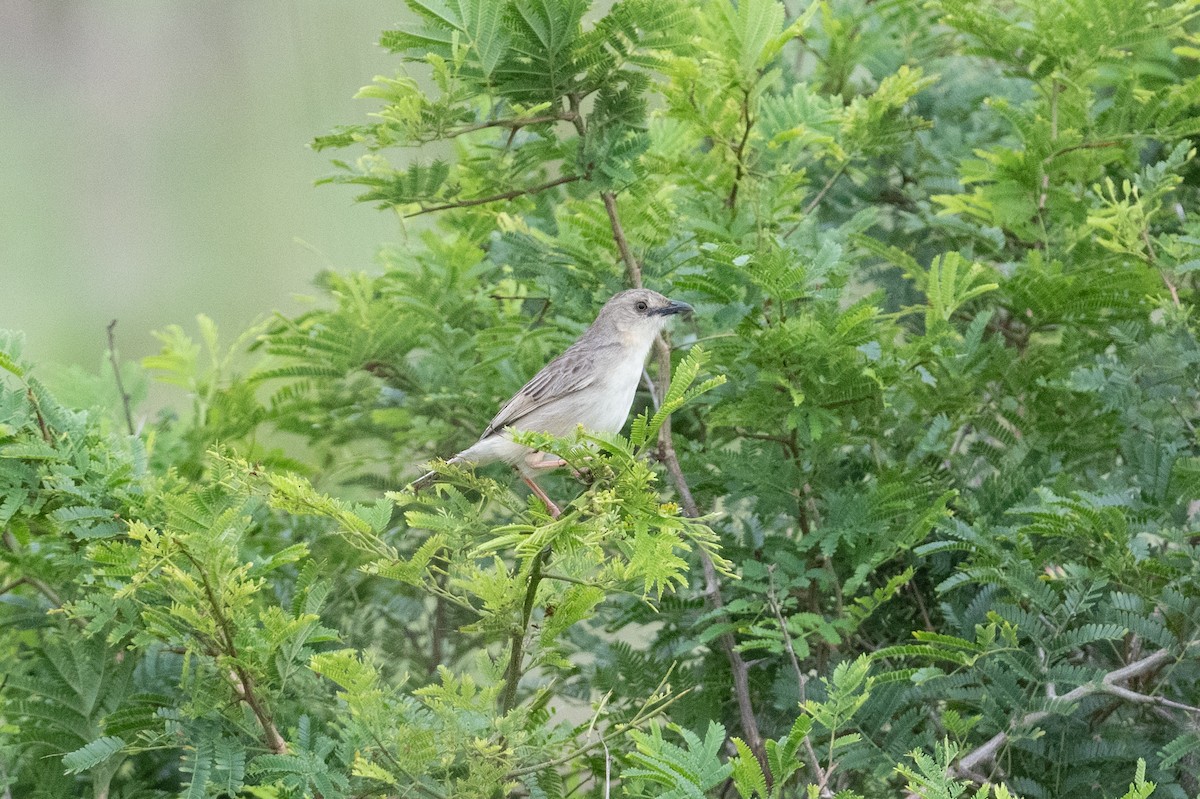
<point>673,307</point>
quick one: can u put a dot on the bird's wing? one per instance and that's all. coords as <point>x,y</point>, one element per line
<point>573,371</point>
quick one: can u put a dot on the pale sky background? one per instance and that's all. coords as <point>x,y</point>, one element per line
<point>154,162</point>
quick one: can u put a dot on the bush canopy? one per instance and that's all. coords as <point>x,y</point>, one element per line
<point>911,507</point>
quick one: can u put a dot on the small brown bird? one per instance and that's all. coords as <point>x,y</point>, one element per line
<point>591,384</point>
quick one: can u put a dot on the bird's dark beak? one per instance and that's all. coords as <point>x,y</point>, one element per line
<point>673,307</point>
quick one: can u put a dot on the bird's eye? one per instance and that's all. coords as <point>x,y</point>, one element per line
<point>641,306</point>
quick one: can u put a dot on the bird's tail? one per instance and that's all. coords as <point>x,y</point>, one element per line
<point>429,478</point>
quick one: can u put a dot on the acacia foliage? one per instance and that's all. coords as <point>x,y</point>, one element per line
<point>924,518</point>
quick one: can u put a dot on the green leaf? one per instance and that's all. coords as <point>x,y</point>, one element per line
<point>93,753</point>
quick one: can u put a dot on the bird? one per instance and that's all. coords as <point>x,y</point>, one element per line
<point>591,384</point>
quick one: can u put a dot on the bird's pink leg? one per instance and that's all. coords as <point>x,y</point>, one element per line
<point>540,494</point>
<point>538,460</point>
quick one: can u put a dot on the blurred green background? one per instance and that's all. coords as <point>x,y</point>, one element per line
<point>154,163</point>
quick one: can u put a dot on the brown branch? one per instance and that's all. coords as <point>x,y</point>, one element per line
<point>815,201</point>
<point>739,152</point>
<point>112,358</point>
<point>633,270</point>
<point>814,763</point>
<point>670,459</point>
<point>239,677</point>
<point>41,586</point>
<point>1153,259</point>
<point>47,436</point>
<point>1146,699</point>
<point>1087,145</point>
<point>512,124</point>
<point>1108,684</point>
<point>17,583</point>
<point>243,685</point>
<point>507,195</point>
<point>645,713</point>
<point>516,654</point>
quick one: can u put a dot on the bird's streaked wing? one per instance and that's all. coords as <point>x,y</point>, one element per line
<point>570,372</point>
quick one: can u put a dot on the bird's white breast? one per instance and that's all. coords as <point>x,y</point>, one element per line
<point>621,382</point>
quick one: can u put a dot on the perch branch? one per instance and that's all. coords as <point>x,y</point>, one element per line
<point>670,459</point>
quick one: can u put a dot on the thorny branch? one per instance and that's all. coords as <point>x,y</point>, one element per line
<point>670,459</point>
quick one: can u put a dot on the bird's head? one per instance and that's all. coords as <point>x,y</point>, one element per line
<point>639,313</point>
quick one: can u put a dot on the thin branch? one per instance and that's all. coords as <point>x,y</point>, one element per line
<point>670,459</point>
<point>512,124</point>
<point>966,766</point>
<point>1147,699</point>
<point>633,270</point>
<point>816,200</point>
<point>916,592</point>
<point>243,685</point>
<point>512,675</point>
<point>739,153</point>
<point>17,583</point>
<point>116,367</point>
<point>508,195</point>
<point>646,712</point>
<point>1150,255</point>
<point>41,586</point>
<point>239,677</point>
<point>1087,145</point>
<point>814,762</point>
<point>47,436</point>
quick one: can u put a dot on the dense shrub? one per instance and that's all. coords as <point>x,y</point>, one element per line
<point>917,515</point>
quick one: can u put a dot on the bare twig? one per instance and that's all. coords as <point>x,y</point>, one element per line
<point>507,195</point>
<point>815,201</point>
<point>916,592</point>
<point>17,583</point>
<point>1108,684</point>
<point>116,367</point>
<point>243,686</point>
<point>1087,145</point>
<point>1146,699</point>
<point>647,711</point>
